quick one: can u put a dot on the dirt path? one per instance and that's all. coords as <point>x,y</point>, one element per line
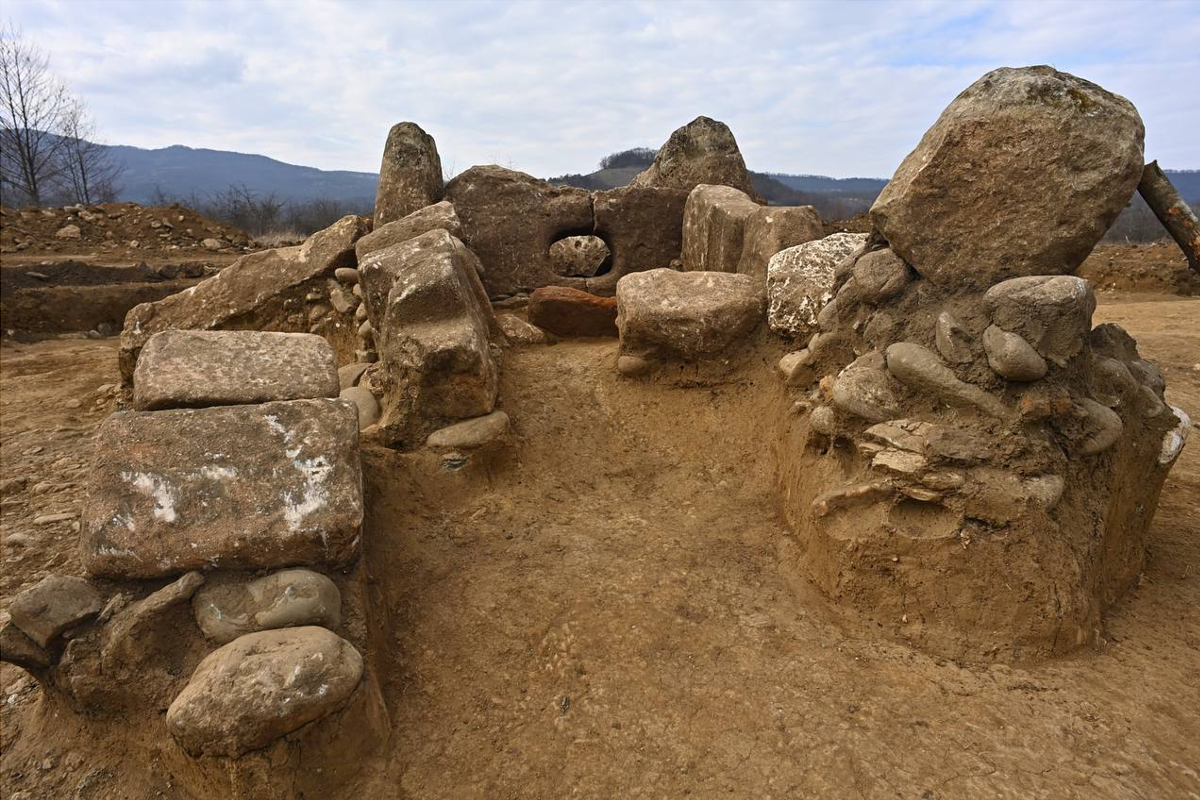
<point>605,615</point>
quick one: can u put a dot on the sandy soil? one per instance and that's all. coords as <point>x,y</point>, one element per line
<point>603,613</point>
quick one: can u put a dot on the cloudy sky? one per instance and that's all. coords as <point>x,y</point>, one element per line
<point>842,89</point>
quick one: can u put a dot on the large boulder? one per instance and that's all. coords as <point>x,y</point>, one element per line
<point>714,222</point>
<point>510,220</point>
<point>667,315</point>
<point>233,487</point>
<point>430,218</point>
<point>180,369</point>
<point>435,326</point>
<point>262,686</point>
<point>703,151</point>
<point>800,281</point>
<point>643,226</point>
<point>770,229</point>
<point>1021,175</point>
<point>410,176</point>
<point>269,290</point>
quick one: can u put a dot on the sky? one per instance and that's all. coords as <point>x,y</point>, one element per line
<point>549,86</point>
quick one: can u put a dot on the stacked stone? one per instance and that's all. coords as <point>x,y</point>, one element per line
<point>977,466</point>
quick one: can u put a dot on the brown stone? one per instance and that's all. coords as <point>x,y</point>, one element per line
<point>703,151</point>
<point>435,326</point>
<point>714,222</point>
<point>770,229</point>
<point>1020,175</point>
<point>410,175</point>
<point>188,369</point>
<point>235,487</point>
<point>643,226</point>
<point>262,686</point>
<point>259,291</point>
<point>430,218</point>
<point>52,605</point>
<point>510,220</point>
<point>571,312</point>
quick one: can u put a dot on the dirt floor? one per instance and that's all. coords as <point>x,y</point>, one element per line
<point>604,614</point>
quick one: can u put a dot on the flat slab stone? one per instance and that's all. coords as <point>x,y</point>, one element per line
<point>235,487</point>
<point>187,369</point>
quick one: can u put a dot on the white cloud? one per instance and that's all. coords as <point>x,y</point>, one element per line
<point>832,88</point>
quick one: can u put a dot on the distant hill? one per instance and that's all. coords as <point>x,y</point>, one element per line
<point>183,172</point>
<point>179,171</point>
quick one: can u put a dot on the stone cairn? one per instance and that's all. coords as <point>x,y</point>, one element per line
<point>965,459</point>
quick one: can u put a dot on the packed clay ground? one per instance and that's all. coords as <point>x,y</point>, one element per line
<point>609,612</point>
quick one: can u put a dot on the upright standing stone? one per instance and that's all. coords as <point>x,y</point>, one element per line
<point>770,229</point>
<point>1020,175</point>
<point>714,222</point>
<point>703,151</point>
<point>410,176</point>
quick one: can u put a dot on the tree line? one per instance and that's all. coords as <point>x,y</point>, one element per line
<point>266,216</point>
<point>48,153</point>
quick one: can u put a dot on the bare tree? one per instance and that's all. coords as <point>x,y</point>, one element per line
<point>88,173</point>
<point>32,104</point>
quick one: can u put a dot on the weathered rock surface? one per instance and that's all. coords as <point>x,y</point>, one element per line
<point>17,648</point>
<point>714,222</point>
<point>1020,175</point>
<point>703,151</point>
<point>52,605</point>
<point>578,256</point>
<point>518,331</point>
<point>1011,356</point>
<point>1052,313</point>
<point>365,403</point>
<point>262,686</point>
<point>770,229</point>
<point>471,434</point>
<point>178,369</point>
<point>126,639</point>
<point>423,220</point>
<point>260,291</point>
<point>953,340</point>
<point>644,228</point>
<point>251,486</point>
<point>286,599</point>
<point>800,281</point>
<point>864,389</point>
<point>351,374</point>
<point>435,325</point>
<point>879,275</point>
<point>919,369</point>
<point>410,176</point>
<point>571,312</point>
<point>510,220</point>
<point>664,314</point>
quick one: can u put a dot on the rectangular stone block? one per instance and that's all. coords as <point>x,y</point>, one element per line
<point>190,369</point>
<point>235,487</point>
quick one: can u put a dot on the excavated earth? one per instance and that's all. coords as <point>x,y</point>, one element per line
<point>603,612</point>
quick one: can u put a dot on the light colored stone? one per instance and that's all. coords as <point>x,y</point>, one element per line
<point>349,275</point>
<point>470,434</point>
<point>953,340</point>
<point>703,151</point>
<point>518,331</point>
<point>1011,357</point>
<point>212,244</point>
<point>430,218</point>
<point>262,686</point>
<point>686,315</point>
<point>800,281</point>
<point>365,403</point>
<point>285,599</point>
<point>350,374</point>
<point>714,221</point>
<point>770,229</point>
<point>178,369</point>
<point>69,232</point>
<point>234,487</point>
<point>879,275</point>
<point>578,256</point>
<point>864,389</point>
